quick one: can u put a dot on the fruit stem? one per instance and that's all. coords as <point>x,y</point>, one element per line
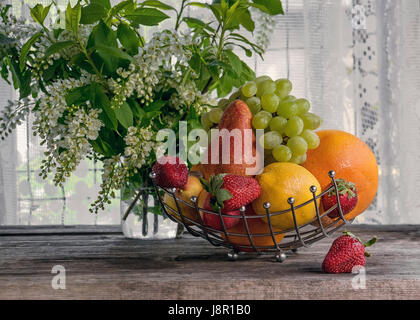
<point>131,206</point>
<point>365,244</point>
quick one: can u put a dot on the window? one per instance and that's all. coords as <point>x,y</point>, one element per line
<point>357,62</point>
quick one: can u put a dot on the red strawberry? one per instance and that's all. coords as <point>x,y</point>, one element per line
<point>231,192</point>
<point>170,172</point>
<point>345,253</point>
<point>213,220</point>
<point>348,198</point>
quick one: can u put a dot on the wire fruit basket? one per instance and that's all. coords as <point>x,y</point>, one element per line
<point>296,237</point>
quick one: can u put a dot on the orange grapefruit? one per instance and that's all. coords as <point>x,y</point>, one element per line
<point>351,159</point>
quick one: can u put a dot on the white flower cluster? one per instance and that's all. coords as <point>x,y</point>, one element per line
<point>118,170</point>
<point>81,128</point>
<point>47,39</point>
<point>113,178</point>
<point>16,30</point>
<point>139,145</point>
<point>14,114</point>
<point>139,83</point>
<point>66,140</point>
<point>162,64</point>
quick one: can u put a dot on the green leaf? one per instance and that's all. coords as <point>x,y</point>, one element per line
<point>155,210</point>
<point>147,16</point>
<point>216,182</point>
<point>235,62</point>
<point>39,13</point>
<point>93,13</point>
<point>197,24</point>
<point>248,52</point>
<point>138,112</point>
<point>100,100</point>
<point>247,73</point>
<point>26,48</point>
<point>52,72</point>
<point>272,7</point>
<point>104,38</point>
<point>80,61</point>
<point>371,242</point>
<point>105,51</point>
<point>195,62</point>
<point>148,116</point>
<point>246,21</point>
<point>223,195</point>
<point>198,4</point>
<point>102,35</point>
<point>118,8</point>
<point>78,96</point>
<point>225,86</point>
<point>124,115</point>
<point>128,38</point>
<point>73,16</point>
<point>216,12</point>
<point>102,147</point>
<point>155,106</point>
<point>4,71</point>
<point>104,3</point>
<point>21,80</point>
<point>158,4</point>
<point>25,84</point>
<point>57,46</point>
<point>232,13</point>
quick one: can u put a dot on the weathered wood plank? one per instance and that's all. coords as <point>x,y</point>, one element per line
<point>58,229</point>
<point>109,266</point>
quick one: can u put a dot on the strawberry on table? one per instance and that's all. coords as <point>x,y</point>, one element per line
<point>348,198</point>
<point>171,172</point>
<point>231,192</point>
<point>346,252</point>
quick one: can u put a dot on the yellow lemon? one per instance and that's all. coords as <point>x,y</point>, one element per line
<point>280,181</point>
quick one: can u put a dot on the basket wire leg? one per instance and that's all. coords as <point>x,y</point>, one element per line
<point>184,222</point>
<point>313,189</point>
<point>225,230</point>
<point>197,210</point>
<point>337,195</point>
<point>242,211</point>
<point>145,222</point>
<point>291,201</point>
<point>280,256</point>
<point>152,176</point>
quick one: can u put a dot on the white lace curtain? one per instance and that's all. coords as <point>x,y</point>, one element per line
<point>358,63</point>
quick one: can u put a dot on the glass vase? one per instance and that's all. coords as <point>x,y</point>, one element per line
<point>142,216</point>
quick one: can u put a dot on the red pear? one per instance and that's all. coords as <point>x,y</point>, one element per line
<point>234,149</point>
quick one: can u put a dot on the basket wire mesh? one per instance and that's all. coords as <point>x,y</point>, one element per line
<point>296,237</point>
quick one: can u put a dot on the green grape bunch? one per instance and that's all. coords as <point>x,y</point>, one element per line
<point>288,124</point>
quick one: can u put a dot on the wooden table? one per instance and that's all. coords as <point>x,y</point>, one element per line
<point>105,265</point>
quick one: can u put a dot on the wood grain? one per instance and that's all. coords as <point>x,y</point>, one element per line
<point>105,265</point>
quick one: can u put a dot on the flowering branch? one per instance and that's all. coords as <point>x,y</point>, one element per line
<point>98,90</point>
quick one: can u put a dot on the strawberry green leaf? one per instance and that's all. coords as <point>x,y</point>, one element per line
<point>223,195</point>
<point>353,236</point>
<point>205,184</point>
<point>370,242</point>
